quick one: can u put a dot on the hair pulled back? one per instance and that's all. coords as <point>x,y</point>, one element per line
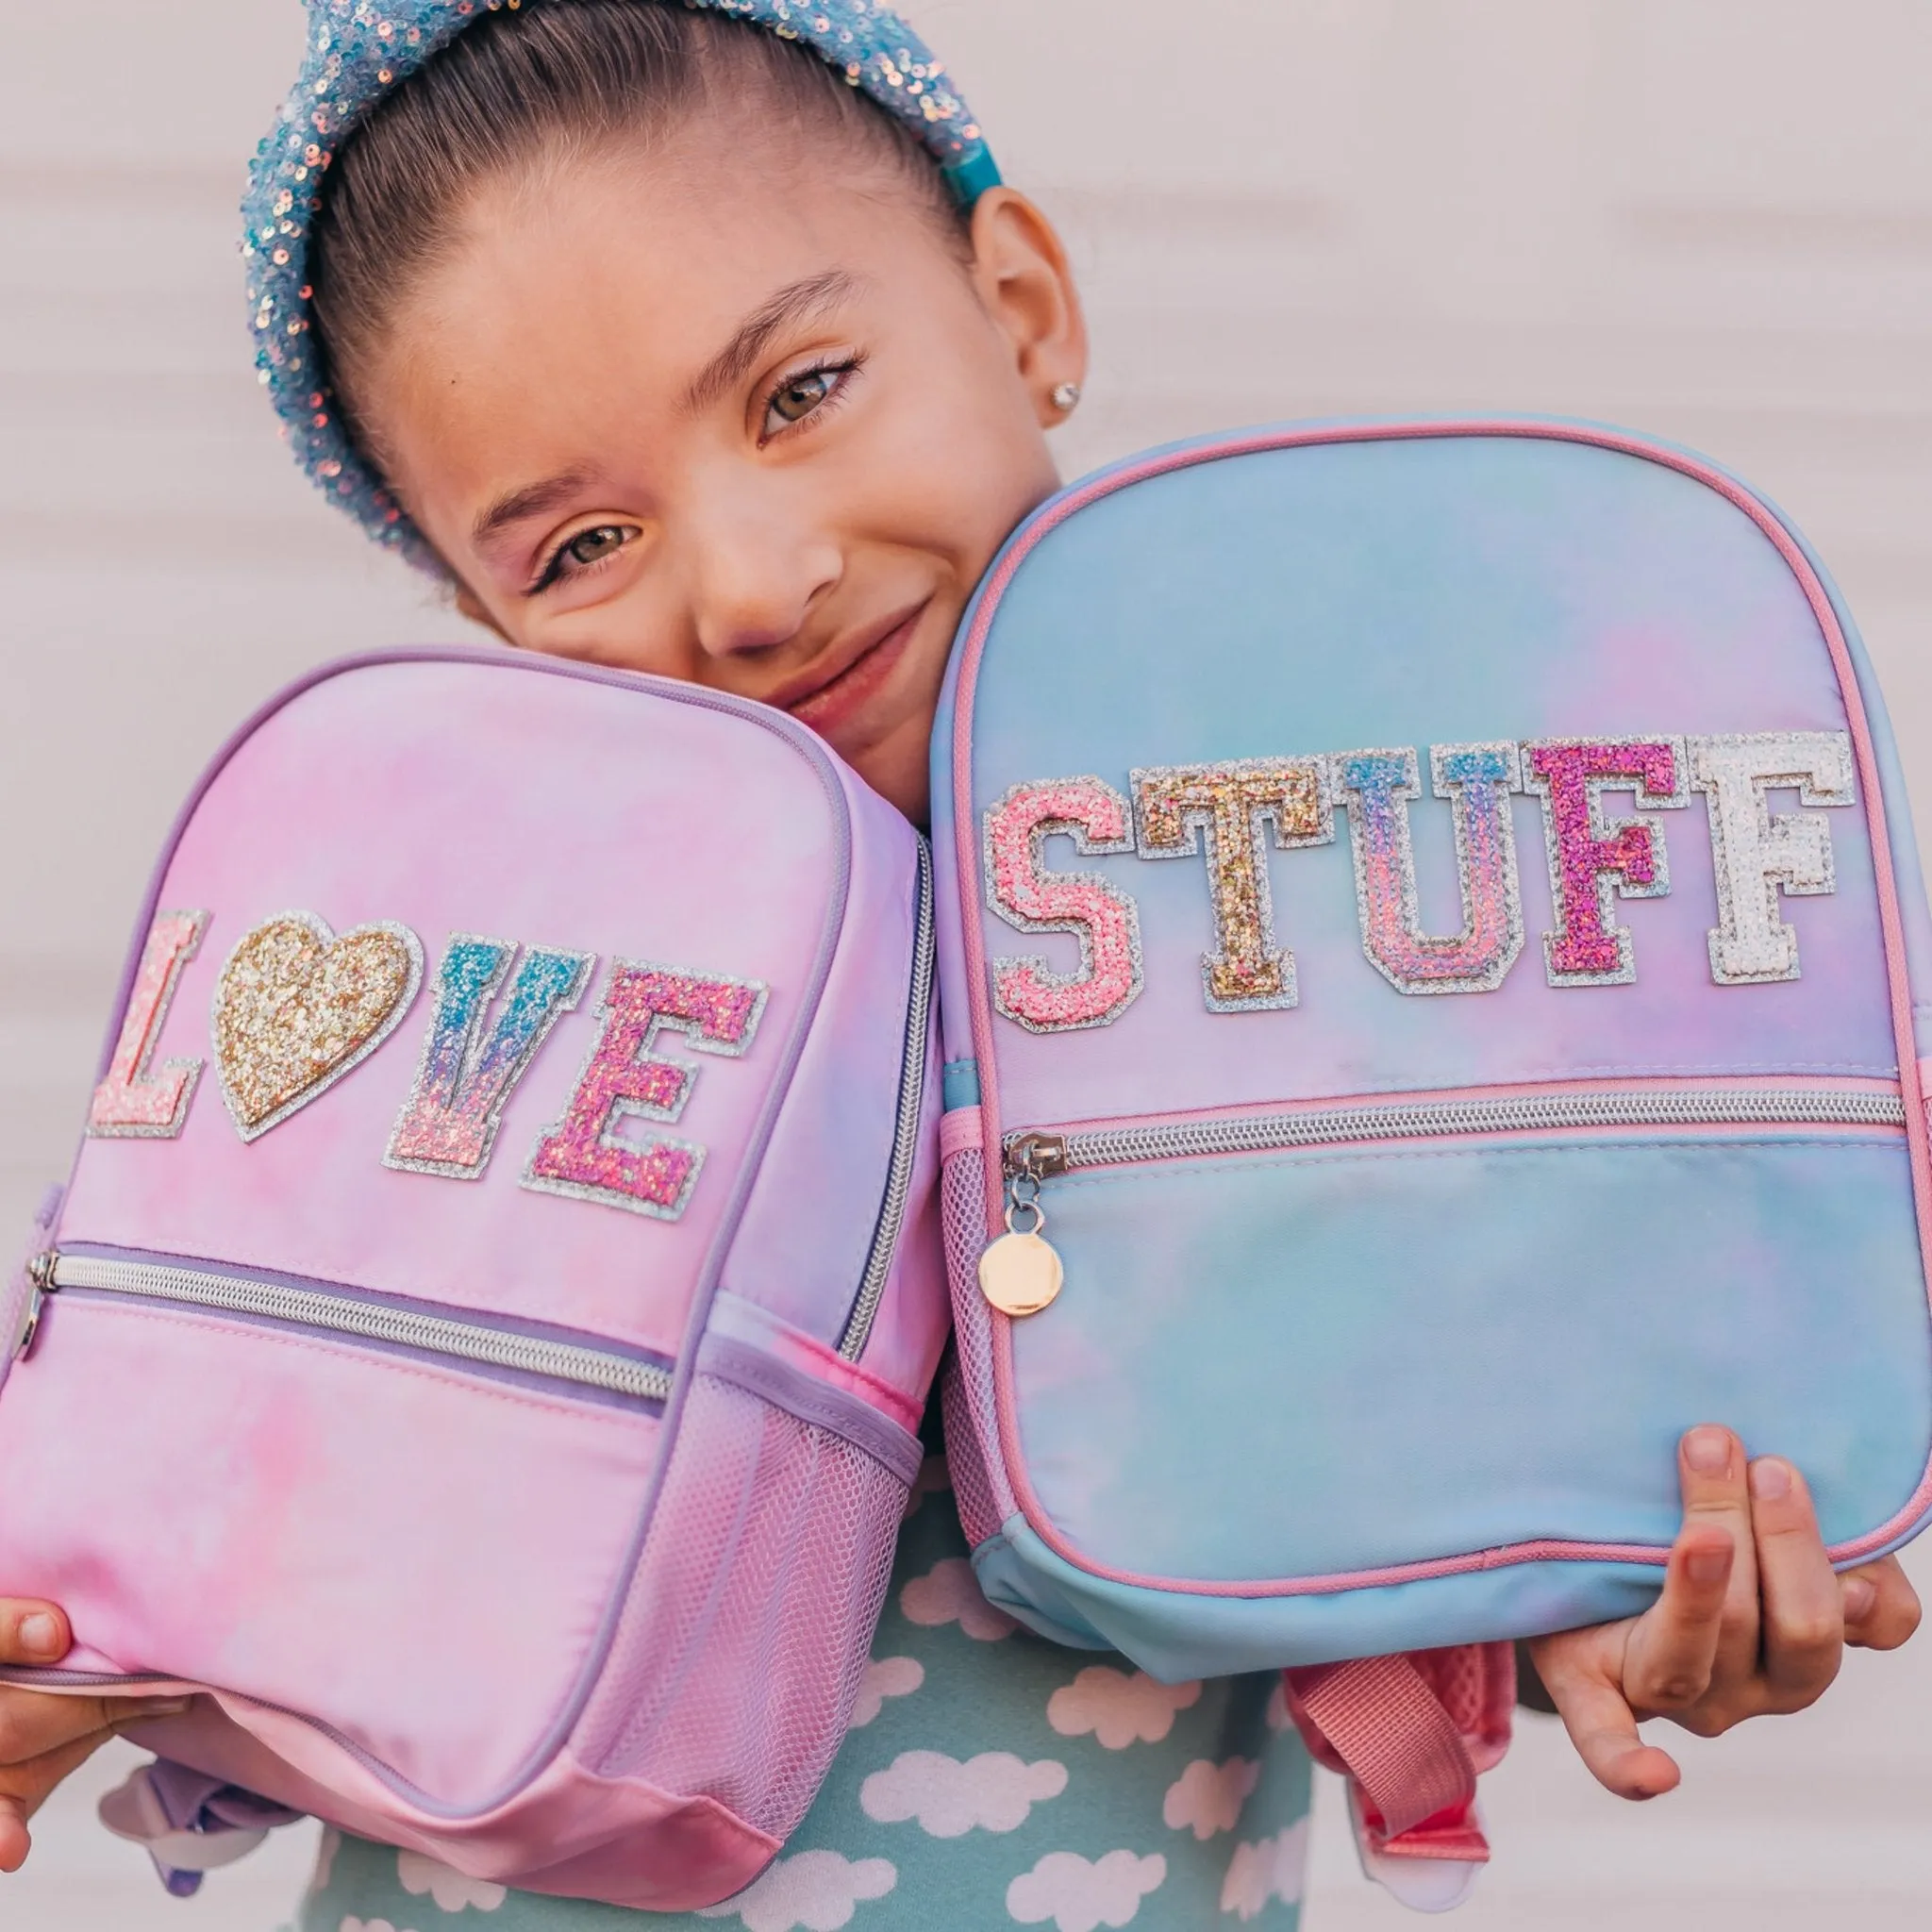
<point>554,79</point>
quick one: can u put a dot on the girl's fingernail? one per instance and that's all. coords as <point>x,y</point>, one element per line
<point>39,1633</point>
<point>1707,1566</point>
<point>169,1707</point>
<point>1861,1594</point>
<point>1708,1450</point>
<point>1770,1480</point>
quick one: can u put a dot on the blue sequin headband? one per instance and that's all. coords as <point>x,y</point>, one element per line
<point>358,50</point>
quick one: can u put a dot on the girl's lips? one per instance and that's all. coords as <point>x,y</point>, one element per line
<point>842,697</point>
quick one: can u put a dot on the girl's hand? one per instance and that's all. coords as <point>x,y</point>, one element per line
<point>1752,1620</point>
<point>44,1737</point>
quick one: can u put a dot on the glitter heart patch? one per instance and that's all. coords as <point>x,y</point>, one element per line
<point>297,1007</point>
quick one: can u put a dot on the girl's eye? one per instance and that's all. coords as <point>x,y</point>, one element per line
<point>579,553</point>
<point>593,547</point>
<point>799,396</point>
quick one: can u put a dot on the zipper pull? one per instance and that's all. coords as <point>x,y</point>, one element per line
<point>1021,1273</point>
<point>40,1276</point>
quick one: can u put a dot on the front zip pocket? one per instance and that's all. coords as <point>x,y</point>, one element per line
<point>335,1311</point>
<point>1031,1156</point>
<point>344,1506</point>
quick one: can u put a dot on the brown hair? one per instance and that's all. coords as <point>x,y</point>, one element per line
<point>557,77</point>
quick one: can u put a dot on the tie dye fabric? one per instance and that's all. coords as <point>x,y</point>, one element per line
<point>990,1779</point>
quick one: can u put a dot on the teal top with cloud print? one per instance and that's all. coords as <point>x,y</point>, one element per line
<point>990,1779</point>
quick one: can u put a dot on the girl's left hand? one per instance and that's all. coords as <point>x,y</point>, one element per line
<point>1752,1620</point>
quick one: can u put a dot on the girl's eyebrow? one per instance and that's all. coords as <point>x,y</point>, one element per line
<point>791,305</point>
<point>533,499</point>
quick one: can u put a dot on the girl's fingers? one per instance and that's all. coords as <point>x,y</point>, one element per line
<point>1804,1603</point>
<point>1881,1606</point>
<point>24,1787</point>
<point>1711,1474</point>
<point>1602,1727</point>
<point>32,1633</point>
<point>33,1723</point>
<point>14,1842</point>
<point>1673,1646</point>
<point>1704,1624</point>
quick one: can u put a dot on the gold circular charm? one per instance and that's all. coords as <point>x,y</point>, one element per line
<point>1020,1273</point>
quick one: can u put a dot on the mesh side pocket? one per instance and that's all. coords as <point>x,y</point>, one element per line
<point>972,1487</point>
<point>979,1484</point>
<point>752,1613</point>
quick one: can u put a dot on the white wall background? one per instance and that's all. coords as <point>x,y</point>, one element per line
<point>1711,219</point>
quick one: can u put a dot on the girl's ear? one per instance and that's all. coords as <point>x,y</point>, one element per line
<point>1019,269</point>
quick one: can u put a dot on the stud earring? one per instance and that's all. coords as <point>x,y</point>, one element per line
<point>1065,395</point>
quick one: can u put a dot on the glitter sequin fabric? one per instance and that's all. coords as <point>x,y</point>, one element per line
<point>1477,780</point>
<point>584,1155</point>
<point>134,1099</point>
<point>296,1007</point>
<point>1590,859</point>
<point>1178,806</point>
<point>1031,898</point>
<point>360,49</point>
<point>1755,855</point>
<point>449,1124</point>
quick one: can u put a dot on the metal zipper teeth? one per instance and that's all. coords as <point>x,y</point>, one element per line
<point>496,1348</point>
<point>884,1241</point>
<point>1413,1121</point>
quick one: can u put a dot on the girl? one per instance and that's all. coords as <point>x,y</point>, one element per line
<point>670,349</point>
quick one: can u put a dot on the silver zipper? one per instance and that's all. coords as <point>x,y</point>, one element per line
<point>885,1239</point>
<point>336,1315</point>
<point>1042,1155</point>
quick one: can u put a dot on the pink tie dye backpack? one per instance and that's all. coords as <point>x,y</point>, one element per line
<point>480,1347</point>
<point>1434,977</point>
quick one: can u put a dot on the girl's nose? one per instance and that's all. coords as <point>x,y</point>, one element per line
<point>756,575</point>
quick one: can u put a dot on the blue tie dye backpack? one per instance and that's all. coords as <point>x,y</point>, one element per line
<point>1429,923</point>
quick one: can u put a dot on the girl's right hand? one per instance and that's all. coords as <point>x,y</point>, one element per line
<point>43,1738</point>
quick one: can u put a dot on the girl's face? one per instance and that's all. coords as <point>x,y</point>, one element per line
<point>724,416</point>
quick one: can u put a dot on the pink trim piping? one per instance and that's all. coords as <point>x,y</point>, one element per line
<point>1890,920</point>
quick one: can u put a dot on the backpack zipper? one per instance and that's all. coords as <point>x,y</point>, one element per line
<point>1040,1154</point>
<point>1021,1273</point>
<point>885,1239</point>
<point>342,1314</point>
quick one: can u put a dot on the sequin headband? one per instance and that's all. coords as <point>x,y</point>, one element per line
<point>360,49</point>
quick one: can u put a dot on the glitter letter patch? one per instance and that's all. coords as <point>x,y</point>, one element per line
<point>1027,896</point>
<point>585,1155</point>
<point>1756,856</point>
<point>1178,806</point>
<point>134,1100</point>
<point>296,1007</point>
<point>1477,780</point>
<point>1592,860</point>
<point>448,1124</point>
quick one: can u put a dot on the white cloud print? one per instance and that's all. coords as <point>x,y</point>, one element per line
<point>950,1593</point>
<point>1272,1868</point>
<point>814,1891</point>
<point>885,1676</point>
<point>1079,1896</point>
<point>352,1924</point>
<point>1118,1709</point>
<point>451,1890</point>
<point>994,1791</point>
<point>1208,1798</point>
